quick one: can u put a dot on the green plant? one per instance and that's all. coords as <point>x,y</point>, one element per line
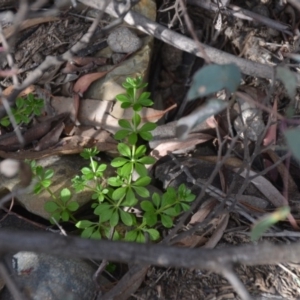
<point>115,195</point>
<point>24,109</point>
<point>59,207</point>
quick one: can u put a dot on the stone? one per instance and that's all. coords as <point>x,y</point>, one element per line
<point>123,40</point>
<point>249,122</point>
<point>41,276</point>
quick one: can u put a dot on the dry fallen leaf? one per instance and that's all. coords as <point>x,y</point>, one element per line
<point>9,31</point>
<point>97,113</point>
<point>174,145</point>
<point>266,188</point>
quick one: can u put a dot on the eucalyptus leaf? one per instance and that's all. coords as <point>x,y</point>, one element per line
<point>289,80</point>
<point>293,140</point>
<point>213,78</point>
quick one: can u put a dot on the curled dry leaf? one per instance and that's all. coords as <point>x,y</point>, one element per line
<point>266,188</point>
<point>222,222</point>
<point>180,147</point>
<point>9,31</point>
<point>51,138</point>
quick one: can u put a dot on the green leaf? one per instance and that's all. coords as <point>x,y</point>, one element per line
<point>126,170</point>
<point>86,233</point>
<point>166,221</point>
<point>123,98</point>
<point>84,224</point>
<point>293,140</point>
<point>114,219</point>
<point>150,218</point>
<point>140,151</point>
<point>119,162</point>
<point>268,221</point>
<point>140,238</point>
<point>136,120</point>
<point>126,218</point>
<point>213,78</point>
<point>56,216</point>
<point>190,198</point>
<point>199,115</point>
<point>121,134</point>
<point>72,206</point>
<point>114,181</point>
<point>106,215</point>
<point>51,206</point>
<point>146,102</point>
<point>148,127</point>
<point>170,212</point>
<point>156,200</point>
<point>147,136</point>
<point>147,206</point>
<point>131,236</point>
<point>65,216</point>
<point>25,119</point>
<point>125,124</point>
<point>119,193</point>
<point>289,80</point>
<point>142,181</point>
<point>132,138</point>
<point>129,196</point>
<point>37,188</point>
<point>153,233</point>
<point>137,107</point>
<point>126,105</point>
<point>144,95</point>
<point>168,199</point>
<point>20,102</point>
<point>129,201</point>
<point>101,168</point>
<point>86,171</point>
<point>141,191</point>
<point>96,235</point>
<point>124,150</point>
<point>185,206</point>
<point>147,160</point>
<point>65,195</point>
<point>5,121</point>
<point>101,208</point>
<point>18,119</point>
<point>140,169</point>
<point>46,183</point>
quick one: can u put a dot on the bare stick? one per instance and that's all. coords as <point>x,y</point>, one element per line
<point>158,255</point>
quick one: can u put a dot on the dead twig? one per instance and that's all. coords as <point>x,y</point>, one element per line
<point>158,255</point>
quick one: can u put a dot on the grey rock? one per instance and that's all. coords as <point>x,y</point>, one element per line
<point>122,40</point>
<point>249,122</point>
<point>47,277</point>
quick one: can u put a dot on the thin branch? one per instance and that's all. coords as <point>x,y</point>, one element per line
<point>236,283</point>
<point>158,255</point>
<point>10,284</point>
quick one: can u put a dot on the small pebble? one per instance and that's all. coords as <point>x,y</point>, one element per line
<point>122,40</point>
